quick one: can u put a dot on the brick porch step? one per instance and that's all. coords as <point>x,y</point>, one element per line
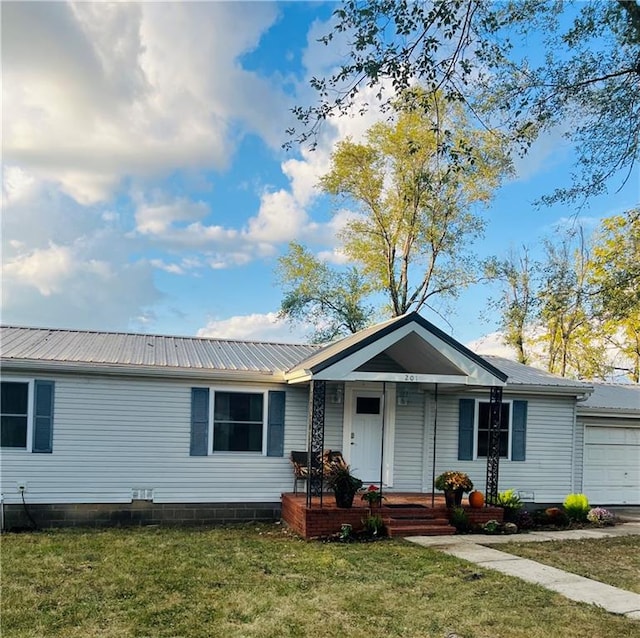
<point>425,525</point>
<point>418,529</point>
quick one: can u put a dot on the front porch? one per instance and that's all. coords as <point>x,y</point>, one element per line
<point>403,513</point>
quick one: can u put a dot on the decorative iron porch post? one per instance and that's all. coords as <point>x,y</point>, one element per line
<point>317,391</point>
<point>493,448</point>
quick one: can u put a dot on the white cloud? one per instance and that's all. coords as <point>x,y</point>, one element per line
<point>254,327</point>
<point>92,93</point>
<point>46,270</point>
<point>157,219</point>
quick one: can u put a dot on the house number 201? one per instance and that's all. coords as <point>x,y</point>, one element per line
<point>410,377</point>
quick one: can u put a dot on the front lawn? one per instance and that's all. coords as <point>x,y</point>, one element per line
<point>615,561</point>
<point>261,581</point>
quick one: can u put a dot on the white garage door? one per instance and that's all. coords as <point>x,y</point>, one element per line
<point>612,465</point>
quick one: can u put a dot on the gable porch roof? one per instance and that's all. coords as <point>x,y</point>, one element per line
<point>414,350</point>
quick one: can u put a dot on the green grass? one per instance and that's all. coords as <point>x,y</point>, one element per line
<point>261,581</point>
<point>615,561</point>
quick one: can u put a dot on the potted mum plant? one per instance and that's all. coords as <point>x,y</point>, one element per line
<point>454,484</point>
<point>343,483</point>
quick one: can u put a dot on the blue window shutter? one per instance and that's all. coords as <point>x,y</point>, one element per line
<point>275,433</point>
<point>199,421</point>
<point>465,429</point>
<point>519,431</point>
<point>43,417</point>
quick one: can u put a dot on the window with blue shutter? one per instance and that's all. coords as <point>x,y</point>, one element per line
<point>43,417</point>
<point>199,421</point>
<point>26,409</point>
<point>519,431</point>
<point>466,429</point>
<point>275,433</point>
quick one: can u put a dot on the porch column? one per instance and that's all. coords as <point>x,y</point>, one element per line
<point>493,451</point>
<point>317,391</point>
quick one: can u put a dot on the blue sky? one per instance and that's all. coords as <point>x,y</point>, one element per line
<point>144,183</point>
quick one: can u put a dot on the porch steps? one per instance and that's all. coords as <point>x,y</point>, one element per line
<point>418,521</point>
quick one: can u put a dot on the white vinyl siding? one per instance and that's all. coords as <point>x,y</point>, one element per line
<point>112,435</point>
<point>407,475</point>
<point>547,470</point>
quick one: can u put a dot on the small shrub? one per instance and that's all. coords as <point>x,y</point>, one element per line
<point>345,533</point>
<point>509,499</point>
<point>491,527</point>
<point>510,502</point>
<point>524,520</point>
<point>600,516</point>
<point>373,526</point>
<point>576,507</point>
<point>460,520</point>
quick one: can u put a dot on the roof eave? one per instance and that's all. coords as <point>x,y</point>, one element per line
<point>127,370</point>
<point>576,391</point>
<point>616,413</point>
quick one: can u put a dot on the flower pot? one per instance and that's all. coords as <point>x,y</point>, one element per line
<point>344,498</point>
<point>476,499</point>
<point>453,498</point>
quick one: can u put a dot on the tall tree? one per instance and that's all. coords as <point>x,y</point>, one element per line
<point>416,182</point>
<point>517,302</point>
<point>614,276</point>
<point>587,79</point>
<point>571,336</point>
<point>329,299</point>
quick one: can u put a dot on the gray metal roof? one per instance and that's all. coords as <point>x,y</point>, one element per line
<point>520,374</point>
<point>77,346</point>
<point>89,348</point>
<point>613,396</point>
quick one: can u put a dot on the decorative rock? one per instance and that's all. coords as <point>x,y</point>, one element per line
<point>510,528</point>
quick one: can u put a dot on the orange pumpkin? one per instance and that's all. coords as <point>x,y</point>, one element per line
<point>476,499</point>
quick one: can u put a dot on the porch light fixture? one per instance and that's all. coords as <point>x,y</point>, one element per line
<point>402,396</point>
<point>336,397</point>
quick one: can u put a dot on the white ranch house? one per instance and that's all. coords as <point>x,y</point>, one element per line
<point>99,427</point>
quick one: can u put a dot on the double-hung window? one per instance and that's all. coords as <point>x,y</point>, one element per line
<point>482,429</point>
<point>16,418</point>
<point>238,421</point>
<point>26,408</point>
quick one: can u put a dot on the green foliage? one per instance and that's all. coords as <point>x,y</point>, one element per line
<point>576,507</point>
<point>492,527</point>
<point>413,184</point>
<point>586,80</point>
<point>329,299</point>
<point>517,302</point>
<point>509,499</point>
<point>346,532</point>
<point>374,526</point>
<point>259,580</point>
<point>339,477</point>
<point>460,520</point>
<point>579,310</point>
<point>614,276</point>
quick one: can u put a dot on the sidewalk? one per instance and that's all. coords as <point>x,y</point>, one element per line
<point>474,548</point>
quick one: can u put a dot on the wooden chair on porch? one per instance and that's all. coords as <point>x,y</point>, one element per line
<point>299,461</point>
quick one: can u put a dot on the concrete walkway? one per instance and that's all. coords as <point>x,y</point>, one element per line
<point>474,548</point>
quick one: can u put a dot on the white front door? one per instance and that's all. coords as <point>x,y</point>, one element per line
<point>366,435</point>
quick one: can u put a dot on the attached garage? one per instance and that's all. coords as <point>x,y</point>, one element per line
<point>611,455</point>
